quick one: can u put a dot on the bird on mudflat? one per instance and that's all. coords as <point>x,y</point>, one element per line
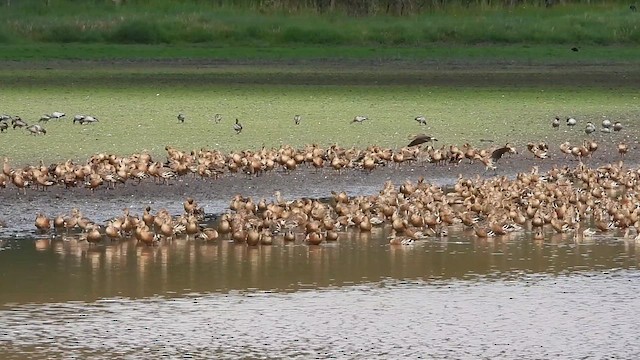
<point>421,119</point>
<point>507,149</point>
<point>217,118</point>
<point>589,128</point>
<point>555,123</point>
<point>181,117</point>
<point>421,139</point>
<point>237,127</point>
<point>571,121</point>
<point>296,119</point>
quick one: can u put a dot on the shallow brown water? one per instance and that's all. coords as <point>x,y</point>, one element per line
<point>359,297</point>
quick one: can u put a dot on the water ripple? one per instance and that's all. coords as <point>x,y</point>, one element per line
<point>582,315</point>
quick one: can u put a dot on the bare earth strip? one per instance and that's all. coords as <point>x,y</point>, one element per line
<point>331,72</point>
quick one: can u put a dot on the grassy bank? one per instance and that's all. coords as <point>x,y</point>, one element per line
<point>220,24</point>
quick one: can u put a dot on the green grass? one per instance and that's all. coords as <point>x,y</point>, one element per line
<point>193,22</point>
<point>142,116</point>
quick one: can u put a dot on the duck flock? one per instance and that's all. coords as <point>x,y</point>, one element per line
<point>564,200</point>
<point>109,170</point>
<point>533,204</point>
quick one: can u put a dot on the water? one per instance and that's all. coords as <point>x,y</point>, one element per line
<point>507,298</point>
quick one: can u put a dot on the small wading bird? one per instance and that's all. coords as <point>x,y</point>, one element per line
<point>89,120</point>
<point>84,119</point>
<point>359,119</point>
<point>421,119</point>
<point>421,139</point>
<point>36,130</point>
<point>571,121</point>
<point>181,117</point>
<point>538,150</point>
<point>56,115</point>
<point>44,118</point>
<point>623,149</point>
<point>606,123</point>
<point>589,128</point>
<point>555,122</point>
<point>617,126</point>
<point>217,118</point>
<point>296,119</point>
<point>237,127</point>
<point>3,126</point>
<point>18,122</point>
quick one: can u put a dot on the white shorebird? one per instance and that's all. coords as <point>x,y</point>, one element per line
<point>590,128</point>
<point>89,120</point>
<point>421,119</point>
<point>57,115</point>
<point>359,119</point>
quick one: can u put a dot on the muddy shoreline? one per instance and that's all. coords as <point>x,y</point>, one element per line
<point>203,72</point>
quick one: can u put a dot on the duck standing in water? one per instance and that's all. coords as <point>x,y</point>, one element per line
<point>43,223</point>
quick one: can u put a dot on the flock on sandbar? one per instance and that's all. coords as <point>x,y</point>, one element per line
<point>109,170</point>
<point>577,203</point>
